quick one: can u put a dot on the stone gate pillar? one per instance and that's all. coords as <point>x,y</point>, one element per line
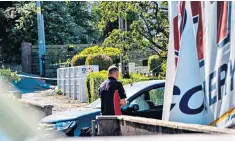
<point>26,57</point>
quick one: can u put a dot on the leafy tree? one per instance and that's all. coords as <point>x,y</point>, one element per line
<point>65,23</point>
<point>82,10</point>
<point>60,23</point>
<point>147,24</point>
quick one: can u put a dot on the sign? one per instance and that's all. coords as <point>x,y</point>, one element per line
<point>201,64</point>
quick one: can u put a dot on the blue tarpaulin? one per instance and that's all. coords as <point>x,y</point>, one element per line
<point>29,85</point>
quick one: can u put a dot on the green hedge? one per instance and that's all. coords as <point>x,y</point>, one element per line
<point>103,61</point>
<point>78,60</point>
<point>154,63</point>
<point>95,79</point>
<point>113,53</point>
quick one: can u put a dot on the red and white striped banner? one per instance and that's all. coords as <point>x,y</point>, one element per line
<point>201,64</point>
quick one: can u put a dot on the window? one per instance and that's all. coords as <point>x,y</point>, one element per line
<point>156,96</point>
<point>145,62</point>
<point>149,99</point>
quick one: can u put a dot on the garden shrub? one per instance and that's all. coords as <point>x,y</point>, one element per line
<point>93,82</point>
<point>154,63</point>
<point>95,79</point>
<point>7,75</point>
<point>162,74</point>
<point>78,60</point>
<point>103,61</point>
<point>114,53</point>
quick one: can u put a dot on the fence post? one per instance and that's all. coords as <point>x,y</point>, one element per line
<point>93,127</point>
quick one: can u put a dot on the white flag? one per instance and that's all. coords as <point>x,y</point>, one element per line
<point>203,77</point>
<point>170,71</point>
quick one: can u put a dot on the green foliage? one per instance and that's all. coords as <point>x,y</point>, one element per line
<point>157,96</point>
<point>103,61</point>
<point>114,53</point>
<point>95,79</point>
<point>154,64</point>
<point>138,77</point>
<point>61,22</point>
<point>147,26</point>
<point>145,29</point>
<point>58,91</point>
<point>65,23</point>
<point>93,82</point>
<point>6,74</point>
<point>162,74</point>
<point>78,60</point>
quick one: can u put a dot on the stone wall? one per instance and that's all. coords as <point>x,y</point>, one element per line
<point>26,57</point>
<point>39,110</point>
<point>55,54</point>
<point>130,126</point>
<point>12,67</point>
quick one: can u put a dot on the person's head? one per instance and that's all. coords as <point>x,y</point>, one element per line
<point>113,72</point>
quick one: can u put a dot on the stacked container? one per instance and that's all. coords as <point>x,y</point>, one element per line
<point>72,80</point>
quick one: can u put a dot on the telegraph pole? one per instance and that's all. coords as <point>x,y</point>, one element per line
<point>41,37</point>
<point>124,63</point>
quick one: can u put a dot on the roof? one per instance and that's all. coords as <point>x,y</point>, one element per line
<point>135,87</point>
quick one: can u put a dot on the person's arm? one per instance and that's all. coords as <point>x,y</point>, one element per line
<point>122,95</point>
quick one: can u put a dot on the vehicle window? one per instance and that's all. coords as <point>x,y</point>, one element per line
<point>143,105</point>
<point>156,96</point>
<point>149,99</point>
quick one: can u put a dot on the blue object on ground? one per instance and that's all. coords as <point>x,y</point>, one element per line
<point>30,85</point>
<point>46,86</point>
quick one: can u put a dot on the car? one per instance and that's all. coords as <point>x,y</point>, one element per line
<point>144,99</point>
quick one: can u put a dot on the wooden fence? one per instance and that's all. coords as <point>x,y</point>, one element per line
<point>55,54</point>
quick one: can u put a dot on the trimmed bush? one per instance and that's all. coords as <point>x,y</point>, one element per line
<point>154,63</point>
<point>78,60</point>
<point>95,79</point>
<point>114,53</point>
<point>103,61</point>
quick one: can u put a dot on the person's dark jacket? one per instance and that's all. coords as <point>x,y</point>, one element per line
<point>107,94</point>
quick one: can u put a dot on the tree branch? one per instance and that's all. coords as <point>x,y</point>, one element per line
<point>149,37</point>
<point>152,42</point>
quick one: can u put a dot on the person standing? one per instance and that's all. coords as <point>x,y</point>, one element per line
<point>112,93</point>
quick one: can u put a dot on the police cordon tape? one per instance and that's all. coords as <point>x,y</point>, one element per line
<point>46,78</point>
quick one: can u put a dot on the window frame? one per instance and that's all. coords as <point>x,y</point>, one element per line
<point>145,90</point>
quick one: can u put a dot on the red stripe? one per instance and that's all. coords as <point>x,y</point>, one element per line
<point>222,20</point>
<point>176,36</point>
<point>197,11</point>
<point>181,11</point>
<point>117,106</point>
<point>176,33</point>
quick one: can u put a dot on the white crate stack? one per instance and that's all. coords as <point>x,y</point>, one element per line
<point>72,80</point>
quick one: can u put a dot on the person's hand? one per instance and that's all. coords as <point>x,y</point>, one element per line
<point>123,102</point>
